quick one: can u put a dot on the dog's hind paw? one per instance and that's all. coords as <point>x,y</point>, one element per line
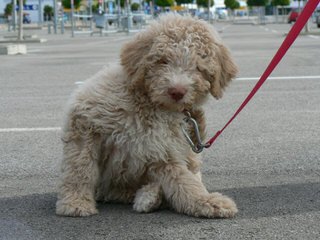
<point>147,199</point>
<point>79,209</point>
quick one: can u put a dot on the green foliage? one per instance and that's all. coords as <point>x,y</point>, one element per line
<point>67,3</point>
<point>135,6</point>
<point>9,6</point>
<point>48,10</point>
<point>95,7</point>
<point>18,3</point>
<point>122,3</point>
<point>280,2</point>
<point>164,3</point>
<point>232,4</point>
<point>204,3</point>
<point>179,2</point>
<point>257,3</point>
<point>8,9</point>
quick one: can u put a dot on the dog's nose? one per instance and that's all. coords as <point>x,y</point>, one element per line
<point>177,93</point>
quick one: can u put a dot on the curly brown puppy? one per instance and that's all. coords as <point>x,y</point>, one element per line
<point>122,136</point>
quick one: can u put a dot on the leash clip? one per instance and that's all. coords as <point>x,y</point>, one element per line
<point>198,146</point>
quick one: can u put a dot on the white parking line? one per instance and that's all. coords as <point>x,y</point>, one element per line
<point>44,129</point>
<point>55,129</point>
<point>314,37</point>
<point>278,78</point>
<point>257,78</point>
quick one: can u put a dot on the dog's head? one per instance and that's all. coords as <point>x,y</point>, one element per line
<point>177,61</point>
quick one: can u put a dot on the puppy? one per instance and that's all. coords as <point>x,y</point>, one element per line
<point>122,136</point>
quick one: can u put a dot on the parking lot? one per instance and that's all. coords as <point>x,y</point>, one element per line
<point>268,160</point>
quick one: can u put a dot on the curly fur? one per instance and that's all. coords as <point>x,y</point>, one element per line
<point>122,137</point>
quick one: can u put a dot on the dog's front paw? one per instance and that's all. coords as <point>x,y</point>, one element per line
<point>75,209</point>
<point>216,205</point>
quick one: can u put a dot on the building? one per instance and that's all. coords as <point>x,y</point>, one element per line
<point>33,7</point>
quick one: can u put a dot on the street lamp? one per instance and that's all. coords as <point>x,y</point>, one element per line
<point>20,33</point>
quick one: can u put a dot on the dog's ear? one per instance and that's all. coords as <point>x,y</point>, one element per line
<point>224,72</point>
<point>133,56</point>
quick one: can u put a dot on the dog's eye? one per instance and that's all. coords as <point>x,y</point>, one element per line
<point>162,61</point>
<point>203,55</point>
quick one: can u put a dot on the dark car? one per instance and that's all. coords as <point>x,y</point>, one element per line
<point>293,15</point>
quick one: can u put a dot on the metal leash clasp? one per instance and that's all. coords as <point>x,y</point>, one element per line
<point>198,146</point>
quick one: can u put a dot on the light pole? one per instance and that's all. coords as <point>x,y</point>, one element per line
<point>40,13</point>
<point>20,34</point>
<point>14,15</point>
<point>128,15</point>
<point>55,16</point>
<point>90,13</point>
<point>209,11</point>
<point>119,14</point>
<point>72,20</point>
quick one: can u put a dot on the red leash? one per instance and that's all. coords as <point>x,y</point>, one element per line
<point>291,37</point>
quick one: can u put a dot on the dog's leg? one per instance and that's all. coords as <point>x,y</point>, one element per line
<point>187,194</point>
<point>148,198</point>
<point>79,177</point>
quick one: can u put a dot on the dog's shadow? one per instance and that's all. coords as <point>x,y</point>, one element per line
<point>35,214</point>
<point>253,202</point>
<point>271,201</point>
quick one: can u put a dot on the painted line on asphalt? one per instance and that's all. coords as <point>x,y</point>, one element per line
<point>314,37</point>
<point>256,78</point>
<point>55,129</point>
<point>42,129</point>
<point>278,78</point>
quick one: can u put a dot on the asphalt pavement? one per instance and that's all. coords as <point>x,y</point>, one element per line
<point>268,160</point>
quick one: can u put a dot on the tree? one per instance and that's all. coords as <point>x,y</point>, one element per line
<point>232,4</point>
<point>20,32</point>
<point>204,3</point>
<point>67,3</point>
<point>179,2</point>
<point>9,6</point>
<point>261,4</point>
<point>8,9</point>
<point>95,7</point>
<point>135,7</point>
<point>164,3</point>
<point>257,3</point>
<point>48,12</point>
<point>280,2</point>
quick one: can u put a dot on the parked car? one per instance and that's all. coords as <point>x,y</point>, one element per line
<point>293,15</point>
<point>205,16</point>
<point>138,18</point>
<point>221,13</point>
